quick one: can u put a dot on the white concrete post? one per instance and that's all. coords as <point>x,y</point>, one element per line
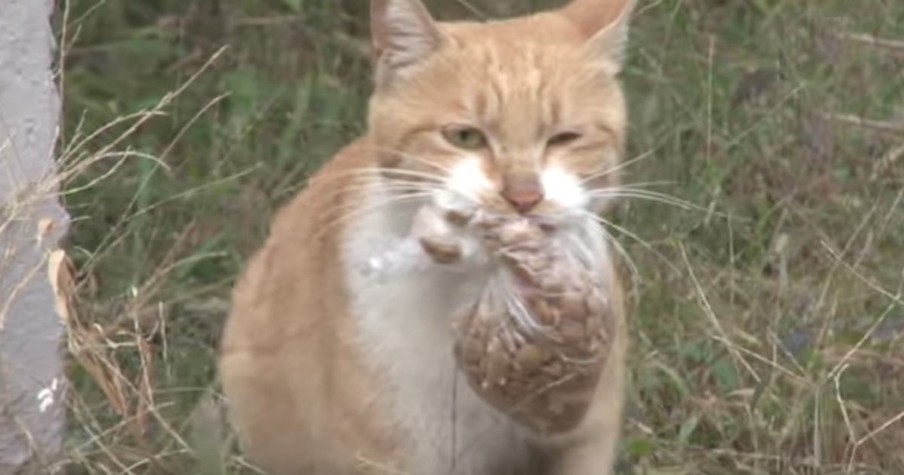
<point>32,406</point>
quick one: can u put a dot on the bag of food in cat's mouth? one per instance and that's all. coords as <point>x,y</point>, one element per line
<point>536,341</point>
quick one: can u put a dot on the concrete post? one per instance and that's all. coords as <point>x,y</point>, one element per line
<point>32,407</point>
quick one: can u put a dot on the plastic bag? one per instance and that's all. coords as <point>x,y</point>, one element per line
<point>534,343</point>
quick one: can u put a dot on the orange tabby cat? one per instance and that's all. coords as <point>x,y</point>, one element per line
<point>329,370</point>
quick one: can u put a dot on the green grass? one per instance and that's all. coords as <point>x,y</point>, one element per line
<point>767,329</point>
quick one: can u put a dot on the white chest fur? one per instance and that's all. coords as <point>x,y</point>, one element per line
<point>405,325</point>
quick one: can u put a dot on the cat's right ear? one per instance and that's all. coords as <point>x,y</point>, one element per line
<point>402,35</point>
<point>605,24</point>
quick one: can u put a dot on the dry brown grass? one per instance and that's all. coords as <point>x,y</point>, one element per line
<point>768,326</point>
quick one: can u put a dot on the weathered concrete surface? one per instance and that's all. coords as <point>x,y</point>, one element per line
<point>32,407</point>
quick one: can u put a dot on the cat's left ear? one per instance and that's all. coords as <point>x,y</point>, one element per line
<point>605,24</point>
<point>403,34</point>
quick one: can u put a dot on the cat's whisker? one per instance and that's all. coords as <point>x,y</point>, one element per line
<point>617,193</point>
<point>399,193</point>
<point>605,223</point>
<point>382,174</point>
<point>518,309</point>
<point>413,157</point>
<point>341,192</point>
<point>640,196</point>
<point>360,210</point>
<point>643,185</point>
<point>471,200</point>
<point>581,247</point>
<point>621,166</point>
<point>338,187</point>
<point>384,182</point>
<point>400,186</point>
<point>619,248</point>
<point>377,177</point>
<point>365,181</point>
<point>642,191</point>
<point>620,229</point>
<point>393,172</point>
<point>393,193</point>
<point>370,183</point>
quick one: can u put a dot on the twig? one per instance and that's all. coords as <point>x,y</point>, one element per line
<point>894,45</point>
<point>878,125</point>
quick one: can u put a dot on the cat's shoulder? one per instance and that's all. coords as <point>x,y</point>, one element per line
<point>327,188</point>
<point>357,154</point>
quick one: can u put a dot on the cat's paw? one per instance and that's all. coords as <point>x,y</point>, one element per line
<point>441,234</point>
<point>442,249</point>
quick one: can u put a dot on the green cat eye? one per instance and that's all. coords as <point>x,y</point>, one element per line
<point>468,138</point>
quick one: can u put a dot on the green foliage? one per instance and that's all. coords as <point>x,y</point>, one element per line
<point>775,118</point>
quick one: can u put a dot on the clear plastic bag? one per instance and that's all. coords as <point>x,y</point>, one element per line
<point>534,343</point>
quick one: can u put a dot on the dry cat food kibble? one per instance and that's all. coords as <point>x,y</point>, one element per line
<point>535,343</point>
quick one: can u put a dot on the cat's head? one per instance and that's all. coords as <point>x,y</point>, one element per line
<point>517,116</point>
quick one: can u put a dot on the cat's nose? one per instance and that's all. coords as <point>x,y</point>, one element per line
<point>524,193</point>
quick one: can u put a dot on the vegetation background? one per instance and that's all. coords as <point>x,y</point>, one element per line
<point>767,333</point>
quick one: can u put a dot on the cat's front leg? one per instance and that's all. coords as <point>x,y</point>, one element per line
<point>591,449</point>
<point>593,457</point>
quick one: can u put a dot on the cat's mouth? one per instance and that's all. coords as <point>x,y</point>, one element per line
<point>463,221</point>
<point>555,197</point>
<point>470,216</point>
